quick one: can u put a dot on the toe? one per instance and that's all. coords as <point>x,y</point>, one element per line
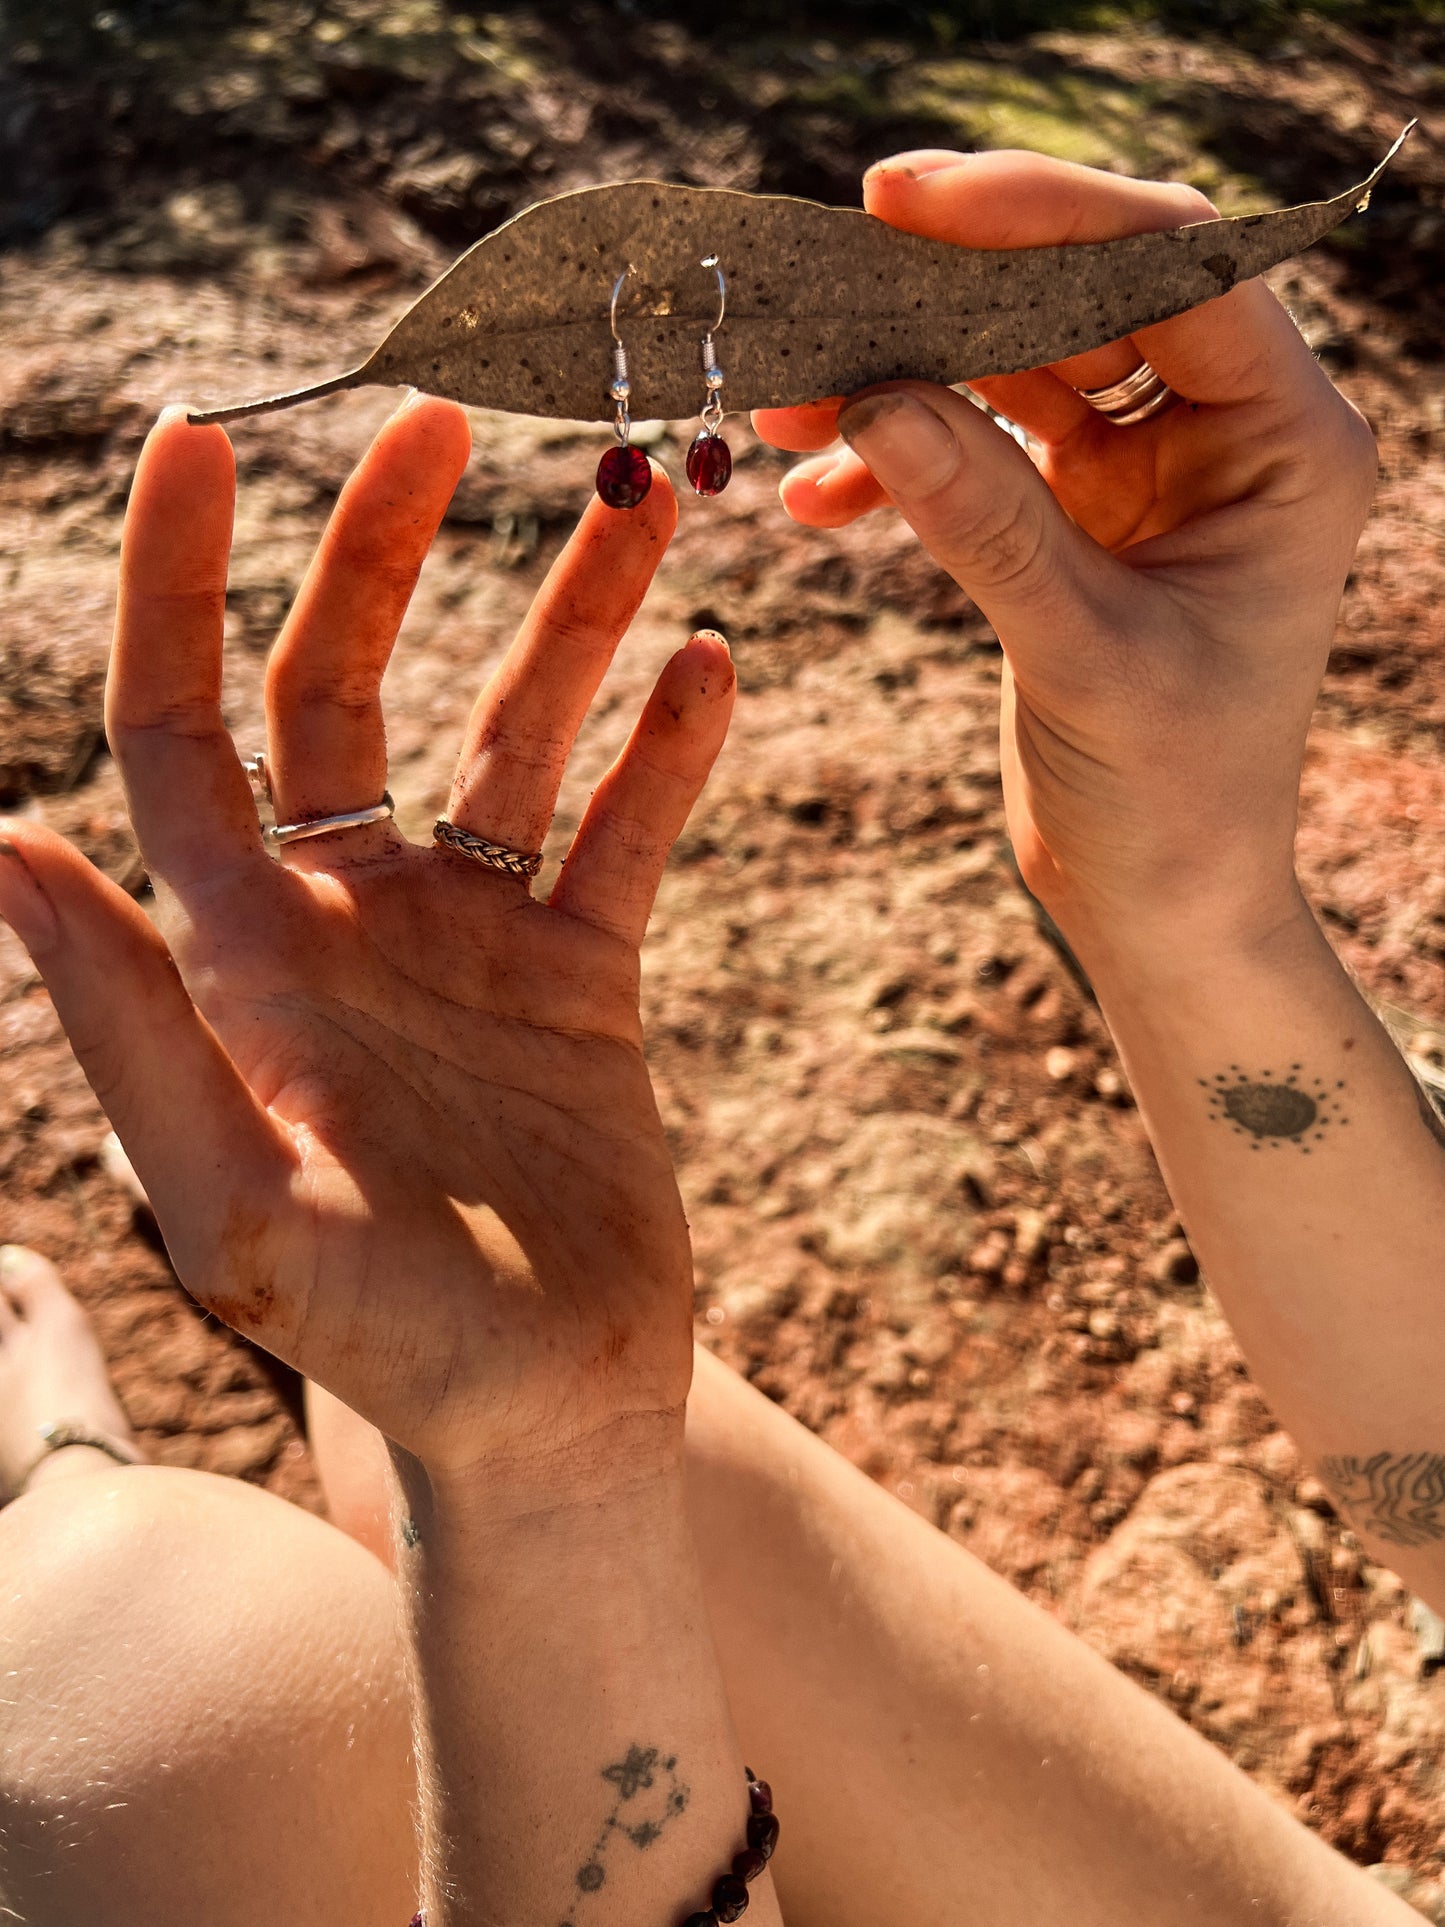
<point>29,1284</point>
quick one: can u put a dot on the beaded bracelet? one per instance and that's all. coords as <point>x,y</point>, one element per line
<point>730,1890</point>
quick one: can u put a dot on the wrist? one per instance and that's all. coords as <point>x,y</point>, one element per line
<point>631,1463</point>
<point>1168,939</point>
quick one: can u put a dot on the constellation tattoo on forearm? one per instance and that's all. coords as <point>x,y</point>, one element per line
<point>1276,1109</point>
<point>1395,1496</point>
<point>644,1770</point>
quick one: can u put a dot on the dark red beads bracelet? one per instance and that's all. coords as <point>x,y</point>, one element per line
<point>730,1890</point>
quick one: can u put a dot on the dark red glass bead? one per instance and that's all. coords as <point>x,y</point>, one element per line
<point>760,1796</point>
<point>624,475</point>
<point>763,1831</point>
<point>417,1921</point>
<point>709,464</point>
<point>729,1897</point>
<point>701,1920</point>
<point>748,1864</point>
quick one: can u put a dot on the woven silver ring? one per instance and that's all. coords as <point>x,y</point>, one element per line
<point>1136,398</point>
<point>491,856</point>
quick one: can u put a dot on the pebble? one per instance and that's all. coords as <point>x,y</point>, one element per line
<point>1174,1264</point>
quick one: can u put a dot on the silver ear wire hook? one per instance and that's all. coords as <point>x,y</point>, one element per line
<point>624,474</point>
<point>709,459</point>
<point>711,261</point>
<point>621,387</point>
<point>712,375</point>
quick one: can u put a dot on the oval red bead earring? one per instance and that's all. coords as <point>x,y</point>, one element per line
<point>624,475</point>
<point>709,459</point>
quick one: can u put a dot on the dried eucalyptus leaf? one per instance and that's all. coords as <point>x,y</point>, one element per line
<point>820,300</point>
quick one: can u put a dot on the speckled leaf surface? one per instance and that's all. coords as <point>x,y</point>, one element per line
<point>820,300</point>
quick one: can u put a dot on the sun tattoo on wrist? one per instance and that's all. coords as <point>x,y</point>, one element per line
<point>647,1777</point>
<point>1276,1108</point>
<point>1395,1496</point>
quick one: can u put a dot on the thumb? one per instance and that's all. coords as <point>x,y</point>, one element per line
<point>982,510</point>
<point>189,1123</point>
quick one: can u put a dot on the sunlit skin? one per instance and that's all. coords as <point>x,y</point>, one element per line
<point>395,1122</point>
<point>1166,594</point>
<point>392,1112</point>
<point>1165,625</point>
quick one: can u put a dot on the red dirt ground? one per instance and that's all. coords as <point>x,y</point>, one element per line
<point>926,1216</point>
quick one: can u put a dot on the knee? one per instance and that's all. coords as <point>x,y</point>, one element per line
<point>195,1674</point>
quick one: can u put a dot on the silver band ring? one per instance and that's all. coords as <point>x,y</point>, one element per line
<point>324,825</point>
<point>276,833</point>
<point>492,856</point>
<point>1134,399</point>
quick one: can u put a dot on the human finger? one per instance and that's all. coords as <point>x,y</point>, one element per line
<point>190,800</point>
<point>999,200</point>
<point>830,491</point>
<point>326,742</point>
<point>802,430</point>
<point>197,1136</point>
<point>522,727</point>
<point>640,807</point>
<point>1233,349</point>
<point>983,511</point>
<point>1015,199</point>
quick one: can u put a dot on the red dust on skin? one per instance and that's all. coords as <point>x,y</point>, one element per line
<point>922,800</point>
<point>248,1304</point>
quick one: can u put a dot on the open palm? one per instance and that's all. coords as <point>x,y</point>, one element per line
<point>392,1112</point>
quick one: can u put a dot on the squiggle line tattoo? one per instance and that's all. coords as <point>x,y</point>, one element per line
<point>1397,1496</point>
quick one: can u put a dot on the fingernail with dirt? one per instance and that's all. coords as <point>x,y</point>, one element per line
<point>916,166</point>
<point>909,448</point>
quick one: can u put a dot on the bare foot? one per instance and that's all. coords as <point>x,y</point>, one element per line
<point>51,1373</point>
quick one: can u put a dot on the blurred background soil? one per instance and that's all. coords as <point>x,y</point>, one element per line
<point>926,1216</point>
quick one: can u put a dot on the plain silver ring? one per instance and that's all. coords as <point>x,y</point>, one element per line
<point>324,825</point>
<point>1140,395</point>
<point>257,768</point>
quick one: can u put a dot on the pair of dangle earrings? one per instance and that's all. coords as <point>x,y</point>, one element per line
<point>624,475</point>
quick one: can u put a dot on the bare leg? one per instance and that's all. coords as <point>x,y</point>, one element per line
<point>206,1716</point>
<point>940,1749</point>
<point>204,1713</point>
<point>354,1470</point>
<point>209,1719</point>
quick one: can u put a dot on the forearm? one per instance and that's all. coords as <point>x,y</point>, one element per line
<point>578,1764</point>
<point>1293,1141</point>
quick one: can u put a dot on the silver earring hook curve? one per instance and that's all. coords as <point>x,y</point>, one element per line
<point>617,288</point>
<point>711,261</point>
